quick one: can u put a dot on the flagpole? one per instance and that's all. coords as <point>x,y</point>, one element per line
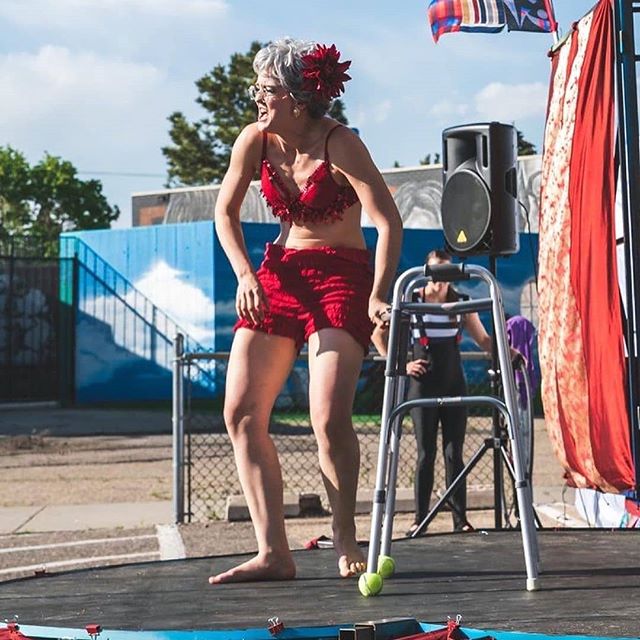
<point>629,154</point>
<point>552,18</point>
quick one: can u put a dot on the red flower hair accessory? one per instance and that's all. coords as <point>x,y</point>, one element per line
<point>323,72</point>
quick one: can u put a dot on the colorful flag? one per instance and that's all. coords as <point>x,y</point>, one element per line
<point>529,15</point>
<point>489,16</point>
<point>465,15</point>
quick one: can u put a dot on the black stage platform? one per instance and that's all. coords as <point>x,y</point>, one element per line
<point>589,585</point>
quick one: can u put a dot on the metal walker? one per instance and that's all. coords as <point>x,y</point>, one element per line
<point>394,408</point>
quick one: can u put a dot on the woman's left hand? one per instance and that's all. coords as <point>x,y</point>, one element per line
<point>517,357</point>
<point>379,312</point>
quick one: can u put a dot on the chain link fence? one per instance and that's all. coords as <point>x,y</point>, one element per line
<point>35,330</point>
<point>27,246</point>
<point>205,467</point>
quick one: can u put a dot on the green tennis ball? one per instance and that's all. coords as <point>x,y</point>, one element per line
<point>370,584</point>
<point>386,566</point>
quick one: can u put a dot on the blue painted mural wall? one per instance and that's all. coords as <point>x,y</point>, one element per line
<point>138,287</point>
<point>513,271</point>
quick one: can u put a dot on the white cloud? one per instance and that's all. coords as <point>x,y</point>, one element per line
<point>72,13</point>
<point>380,111</point>
<point>447,109</point>
<point>166,7</point>
<point>138,60</point>
<point>374,113</point>
<point>101,113</point>
<point>60,86</point>
<point>511,102</point>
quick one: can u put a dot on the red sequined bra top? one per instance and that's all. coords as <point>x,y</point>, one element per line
<point>321,200</point>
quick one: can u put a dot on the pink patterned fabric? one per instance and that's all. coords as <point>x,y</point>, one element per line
<point>584,408</point>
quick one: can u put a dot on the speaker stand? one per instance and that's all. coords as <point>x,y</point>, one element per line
<point>496,429</point>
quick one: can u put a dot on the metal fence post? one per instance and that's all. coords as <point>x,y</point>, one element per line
<point>10,324</point>
<point>69,278</point>
<point>178,429</point>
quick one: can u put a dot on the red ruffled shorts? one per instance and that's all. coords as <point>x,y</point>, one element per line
<point>313,289</point>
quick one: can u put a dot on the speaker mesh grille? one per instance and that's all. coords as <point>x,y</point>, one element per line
<point>466,210</point>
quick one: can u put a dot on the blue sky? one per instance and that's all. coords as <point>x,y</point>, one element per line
<point>93,81</point>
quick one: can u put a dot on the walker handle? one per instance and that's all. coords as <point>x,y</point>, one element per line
<point>446,272</point>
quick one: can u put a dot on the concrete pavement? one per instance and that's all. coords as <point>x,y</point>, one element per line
<point>81,517</point>
<point>50,420</point>
<point>52,537</point>
<point>550,494</point>
<point>556,504</point>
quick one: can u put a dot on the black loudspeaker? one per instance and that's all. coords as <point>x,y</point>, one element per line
<point>479,196</point>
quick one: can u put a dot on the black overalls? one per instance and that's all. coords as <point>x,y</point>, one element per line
<point>436,339</point>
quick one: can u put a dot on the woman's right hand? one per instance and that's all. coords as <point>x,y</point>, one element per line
<point>417,368</point>
<point>251,302</point>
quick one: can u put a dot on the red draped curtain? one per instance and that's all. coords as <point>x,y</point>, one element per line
<point>581,340</point>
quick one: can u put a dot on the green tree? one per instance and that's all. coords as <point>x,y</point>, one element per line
<point>525,148</point>
<point>200,151</point>
<point>45,198</point>
<point>427,159</point>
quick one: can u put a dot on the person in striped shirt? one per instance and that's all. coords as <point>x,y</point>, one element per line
<point>434,368</point>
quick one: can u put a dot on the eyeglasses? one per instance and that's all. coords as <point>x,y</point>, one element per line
<point>267,91</point>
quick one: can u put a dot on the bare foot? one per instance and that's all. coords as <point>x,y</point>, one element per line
<point>258,568</point>
<point>351,560</point>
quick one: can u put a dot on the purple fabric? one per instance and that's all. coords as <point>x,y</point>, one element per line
<point>522,336</point>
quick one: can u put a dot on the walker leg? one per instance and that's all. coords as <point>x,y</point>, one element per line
<point>390,507</point>
<point>379,494</point>
<point>523,491</point>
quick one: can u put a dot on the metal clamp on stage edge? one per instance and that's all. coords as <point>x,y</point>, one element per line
<point>385,629</point>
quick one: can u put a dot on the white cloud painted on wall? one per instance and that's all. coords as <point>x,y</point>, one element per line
<point>187,306</point>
